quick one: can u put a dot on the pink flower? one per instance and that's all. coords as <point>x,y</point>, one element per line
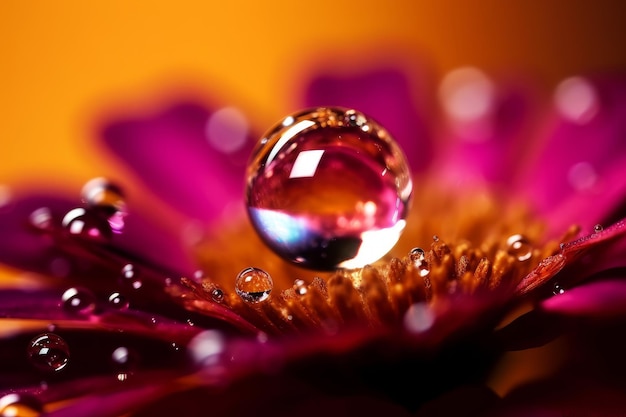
<point>503,251</point>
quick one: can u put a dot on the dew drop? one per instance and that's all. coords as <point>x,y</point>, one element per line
<point>325,193</point>
<point>598,228</point>
<point>130,277</point>
<point>118,301</point>
<point>519,247</point>
<point>20,405</point>
<point>418,257</point>
<point>217,294</point>
<point>558,289</point>
<point>124,359</point>
<point>300,287</point>
<point>106,199</point>
<point>85,223</point>
<point>48,352</point>
<point>79,301</point>
<point>253,285</point>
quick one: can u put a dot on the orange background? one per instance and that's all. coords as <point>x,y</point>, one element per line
<point>64,61</point>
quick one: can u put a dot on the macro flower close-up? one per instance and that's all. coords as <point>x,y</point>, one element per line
<point>391,238</point>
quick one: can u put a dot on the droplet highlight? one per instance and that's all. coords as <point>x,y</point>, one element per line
<point>558,289</point>
<point>48,352</point>
<point>598,228</point>
<point>519,247</point>
<point>85,223</point>
<point>300,287</point>
<point>118,301</point>
<point>79,300</point>
<point>253,285</point>
<point>130,277</point>
<point>328,188</point>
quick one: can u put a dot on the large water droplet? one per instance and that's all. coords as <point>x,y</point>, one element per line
<point>519,247</point>
<point>86,223</point>
<point>253,285</point>
<point>107,199</point>
<point>20,405</point>
<point>48,352</point>
<point>79,300</point>
<point>330,189</point>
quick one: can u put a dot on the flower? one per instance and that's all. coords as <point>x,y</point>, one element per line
<point>133,310</point>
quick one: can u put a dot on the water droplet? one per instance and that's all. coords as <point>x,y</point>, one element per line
<point>418,318</point>
<point>130,276</point>
<point>253,285</point>
<point>42,219</point>
<point>124,359</point>
<point>20,405</point>
<point>418,257</point>
<point>217,294</point>
<point>558,289</point>
<point>324,193</point>
<point>85,223</point>
<point>106,199</point>
<point>79,300</point>
<point>48,352</point>
<point>519,247</point>
<point>190,322</point>
<point>118,301</point>
<point>205,348</point>
<point>598,228</point>
<point>300,287</point>
<point>435,238</point>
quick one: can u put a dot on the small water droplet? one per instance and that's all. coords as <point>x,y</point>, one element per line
<point>42,219</point>
<point>323,155</point>
<point>124,359</point>
<point>300,287</point>
<point>519,247</point>
<point>190,323</point>
<point>598,228</point>
<point>81,222</point>
<point>558,289</point>
<point>253,285</point>
<point>175,346</point>
<point>20,405</point>
<point>418,257</point>
<point>435,238</point>
<point>118,301</point>
<point>48,352</point>
<point>51,327</point>
<point>217,294</point>
<point>106,199</point>
<point>79,300</point>
<point>130,277</point>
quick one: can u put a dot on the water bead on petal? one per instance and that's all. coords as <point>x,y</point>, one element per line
<point>328,188</point>
<point>48,352</point>
<point>130,276</point>
<point>107,198</point>
<point>253,285</point>
<point>519,247</point>
<point>85,223</point>
<point>118,301</point>
<point>79,300</point>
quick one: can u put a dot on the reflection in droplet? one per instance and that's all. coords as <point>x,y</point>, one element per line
<point>253,285</point>
<point>418,257</point>
<point>20,405</point>
<point>598,228</point>
<point>217,294</point>
<point>418,318</point>
<point>48,352</point>
<point>557,289</point>
<point>85,223</point>
<point>107,199</point>
<point>79,300</point>
<point>576,100</point>
<point>320,156</point>
<point>519,247</point>
<point>118,301</point>
<point>300,287</point>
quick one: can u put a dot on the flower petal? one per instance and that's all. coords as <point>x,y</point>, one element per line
<point>172,154</point>
<point>385,95</point>
<point>596,299</point>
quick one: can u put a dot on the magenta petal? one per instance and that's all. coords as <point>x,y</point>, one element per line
<point>598,299</point>
<point>171,153</point>
<point>385,95</point>
<point>578,154</point>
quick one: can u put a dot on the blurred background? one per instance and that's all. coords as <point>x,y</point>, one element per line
<point>65,63</point>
